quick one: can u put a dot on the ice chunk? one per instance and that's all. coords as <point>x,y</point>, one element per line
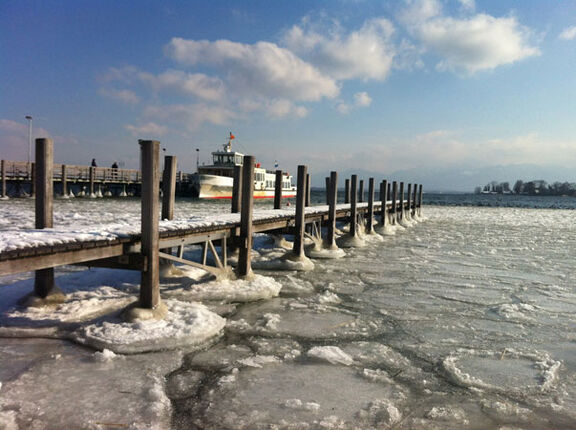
<point>331,354</point>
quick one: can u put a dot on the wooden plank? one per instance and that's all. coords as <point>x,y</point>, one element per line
<point>150,279</point>
<point>37,262</point>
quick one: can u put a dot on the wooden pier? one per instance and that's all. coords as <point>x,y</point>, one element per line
<point>145,250</point>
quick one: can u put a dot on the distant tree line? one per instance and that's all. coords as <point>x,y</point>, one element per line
<point>530,188</point>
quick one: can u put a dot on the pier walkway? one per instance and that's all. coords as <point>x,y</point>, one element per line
<point>154,242</point>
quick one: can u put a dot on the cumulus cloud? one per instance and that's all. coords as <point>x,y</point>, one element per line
<point>568,33</point>
<point>191,116</point>
<point>367,53</point>
<point>362,99</point>
<point>263,68</point>
<point>150,129</point>
<point>474,43</point>
<point>125,96</point>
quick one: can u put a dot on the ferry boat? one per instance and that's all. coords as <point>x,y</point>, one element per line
<point>215,181</point>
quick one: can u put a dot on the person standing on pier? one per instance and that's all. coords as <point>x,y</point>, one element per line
<point>94,163</point>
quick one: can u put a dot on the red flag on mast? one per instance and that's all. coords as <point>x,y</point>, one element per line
<point>231,136</point>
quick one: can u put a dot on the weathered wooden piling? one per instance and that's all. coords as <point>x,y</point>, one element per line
<point>299,223</point>
<point>401,198</point>
<point>384,199</point>
<point>330,240</point>
<point>64,181</point>
<point>278,190</point>
<point>308,190</point>
<point>237,190</point>
<point>169,187</point>
<point>3,173</point>
<point>420,193</point>
<point>409,201</point>
<point>370,221</point>
<point>361,191</point>
<point>244,267</point>
<point>44,205</point>
<point>91,180</point>
<point>353,205</point>
<point>327,190</point>
<point>393,210</point>
<point>150,277</point>
<point>414,201</point>
<point>347,191</point>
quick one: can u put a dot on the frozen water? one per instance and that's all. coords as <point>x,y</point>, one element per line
<point>465,320</point>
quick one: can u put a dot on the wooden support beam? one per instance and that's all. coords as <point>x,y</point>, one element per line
<point>332,191</point>
<point>353,205</point>
<point>278,190</point>
<point>150,279</point>
<point>237,190</point>
<point>44,203</point>
<point>244,268</point>
<point>370,223</point>
<point>299,222</point>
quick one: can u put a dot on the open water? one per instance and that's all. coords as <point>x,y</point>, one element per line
<point>465,320</point>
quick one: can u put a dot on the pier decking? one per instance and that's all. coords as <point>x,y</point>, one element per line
<point>144,247</point>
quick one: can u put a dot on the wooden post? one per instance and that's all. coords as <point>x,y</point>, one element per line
<point>3,173</point>
<point>307,202</point>
<point>327,190</point>
<point>420,200</point>
<point>299,224</point>
<point>244,268</point>
<point>384,199</point>
<point>353,206</point>
<point>150,278</point>
<point>332,191</point>
<point>361,191</point>
<point>414,199</point>
<point>169,187</point>
<point>237,190</point>
<point>44,278</point>
<point>64,181</point>
<point>347,191</point>
<point>409,202</point>
<point>91,179</point>
<point>394,201</point>
<point>278,190</point>
<point>401,197</point>
<point>370,224</point>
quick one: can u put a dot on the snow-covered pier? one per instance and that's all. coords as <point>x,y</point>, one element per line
<point>147,247</point>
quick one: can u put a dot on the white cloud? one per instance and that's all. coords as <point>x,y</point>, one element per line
<point>125,96</point>
<point>191,116</point>
<point>367,53</point>
<point>362,99</point>
<point>148,130</point>
<point>479,42</point>
<point>264,68</point>
<point>568,33</point>
<point>283,108</point>
<point>196,84</point>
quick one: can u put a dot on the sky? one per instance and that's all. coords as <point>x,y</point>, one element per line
<point>382,86</point>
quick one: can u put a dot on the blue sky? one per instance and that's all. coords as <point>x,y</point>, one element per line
<point>375,85</point>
